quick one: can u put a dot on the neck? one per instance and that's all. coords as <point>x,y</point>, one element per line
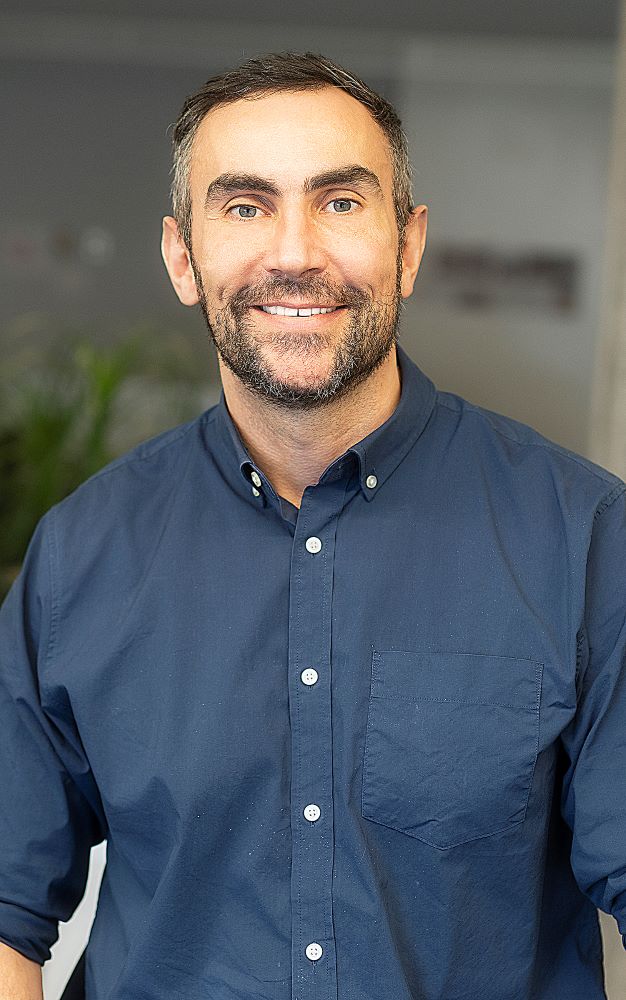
<point>293,449</point>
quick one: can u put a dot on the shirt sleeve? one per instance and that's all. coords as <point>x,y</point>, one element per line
<point>47,824</point>
<point>594,788</point>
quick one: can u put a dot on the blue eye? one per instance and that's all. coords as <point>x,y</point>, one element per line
<point>344,202</point>
<point>247,209</point>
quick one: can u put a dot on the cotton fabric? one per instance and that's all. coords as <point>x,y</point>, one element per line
<point>184,674</point>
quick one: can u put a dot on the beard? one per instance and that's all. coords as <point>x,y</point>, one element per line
<point>370,335</point>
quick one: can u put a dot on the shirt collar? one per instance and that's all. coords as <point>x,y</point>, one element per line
<point>378,454</point>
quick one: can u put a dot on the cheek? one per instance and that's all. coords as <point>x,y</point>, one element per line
<point>372,255</point>
<point>232,265</point>
<point>224,270</point>
<point>374,269</point>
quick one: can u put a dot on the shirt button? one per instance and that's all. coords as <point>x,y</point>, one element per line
<point>314,951</point>
<point>371,481</point>
<point>309,676</point>
<point>255,492</point>
<point>312,813</point>
<point>313,544</point>
<point>256,479</point>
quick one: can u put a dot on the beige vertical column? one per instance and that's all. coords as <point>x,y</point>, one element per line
<point>607,441</point>
<point>608,429</point>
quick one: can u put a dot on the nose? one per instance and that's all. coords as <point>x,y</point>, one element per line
<point>296,246</point>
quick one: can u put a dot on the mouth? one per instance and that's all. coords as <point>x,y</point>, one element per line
<point>298,310</point>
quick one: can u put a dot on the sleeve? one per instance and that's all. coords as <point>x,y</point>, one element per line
<point>594,788</point>
<point>47,824</point>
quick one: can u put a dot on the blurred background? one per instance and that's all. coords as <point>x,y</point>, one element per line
<point>514,114</point>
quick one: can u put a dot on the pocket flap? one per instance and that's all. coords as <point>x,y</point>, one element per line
<point>473,678</point>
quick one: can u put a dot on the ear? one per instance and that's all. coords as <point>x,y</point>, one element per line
<point>414,244</point>
<point>178,263</point>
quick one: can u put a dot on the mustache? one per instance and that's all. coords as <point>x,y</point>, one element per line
<point>286,288</point>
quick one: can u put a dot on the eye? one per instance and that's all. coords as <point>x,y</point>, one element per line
<point>343,205</point>
<point>244,211</point>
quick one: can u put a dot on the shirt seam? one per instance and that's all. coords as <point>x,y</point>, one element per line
<point>582,651</point>
<point>608,500</point>
<point>137,455</point>
<point>452,701</point>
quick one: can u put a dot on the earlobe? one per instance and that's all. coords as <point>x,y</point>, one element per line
<point>415,242</point>
<point>176,258</point>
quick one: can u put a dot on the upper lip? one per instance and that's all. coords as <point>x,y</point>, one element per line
<point>302,305</point>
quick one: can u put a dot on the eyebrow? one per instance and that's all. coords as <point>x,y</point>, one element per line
<point>354,175</point>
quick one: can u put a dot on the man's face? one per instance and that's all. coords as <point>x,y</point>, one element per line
<point>292,206</point>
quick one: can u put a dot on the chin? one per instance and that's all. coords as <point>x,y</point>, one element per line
<point>299,363</point>
<point>304,376</point>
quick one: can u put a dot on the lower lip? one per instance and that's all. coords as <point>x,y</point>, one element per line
<point>299,319</point>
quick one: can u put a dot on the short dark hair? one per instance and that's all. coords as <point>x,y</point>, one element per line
<point>290,71</point>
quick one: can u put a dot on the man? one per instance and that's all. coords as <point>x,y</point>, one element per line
<point>337,669</point>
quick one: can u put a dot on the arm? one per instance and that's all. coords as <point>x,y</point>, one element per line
<point>593,803</point>
<point>49,809</point>
<point>20,978</point>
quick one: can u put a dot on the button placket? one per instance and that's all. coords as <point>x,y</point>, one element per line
<point>310,619</point>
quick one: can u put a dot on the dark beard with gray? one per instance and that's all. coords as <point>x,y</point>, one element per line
<point>371,333</point>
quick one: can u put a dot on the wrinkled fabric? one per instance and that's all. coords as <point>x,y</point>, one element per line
<point>443,677</point>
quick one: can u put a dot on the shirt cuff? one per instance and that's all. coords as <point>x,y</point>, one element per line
<point>26,932</point>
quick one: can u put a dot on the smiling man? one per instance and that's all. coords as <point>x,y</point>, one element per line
<point>299,265</point>
<point>337,669</point>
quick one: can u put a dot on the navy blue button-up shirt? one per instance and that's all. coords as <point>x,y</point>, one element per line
<point>371,748</point>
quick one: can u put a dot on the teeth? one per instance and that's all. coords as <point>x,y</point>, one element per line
<point>287,311</point>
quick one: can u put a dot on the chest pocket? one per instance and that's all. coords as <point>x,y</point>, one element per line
<point>451,744</point>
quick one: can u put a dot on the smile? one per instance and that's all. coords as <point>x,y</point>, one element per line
<point>300,311</point>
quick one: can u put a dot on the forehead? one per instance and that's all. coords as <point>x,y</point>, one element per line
<point>290,136</point>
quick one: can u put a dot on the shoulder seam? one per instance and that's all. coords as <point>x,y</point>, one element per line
<point>547,445</point>
<point>133,456</point>
<point>609,500</point>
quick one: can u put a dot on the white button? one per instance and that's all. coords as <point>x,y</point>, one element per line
<point>371,481</point>
<point>314,951</point>
<point>256,479</point>
<point>312,812</point>
<point>255,492</point>
<point>309,676</point>
<point>313,544</point>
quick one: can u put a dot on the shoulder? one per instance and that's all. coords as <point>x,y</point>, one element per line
<point>516,450</point>
<point>126,504</point>
<point>100,541</point>
<point>152,468</point>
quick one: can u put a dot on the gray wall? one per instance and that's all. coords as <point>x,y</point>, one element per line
<point>509,143</point>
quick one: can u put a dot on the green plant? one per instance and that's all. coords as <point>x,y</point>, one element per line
<point>61,419</point>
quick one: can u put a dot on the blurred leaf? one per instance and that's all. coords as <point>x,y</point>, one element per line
<point>59,412</point>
